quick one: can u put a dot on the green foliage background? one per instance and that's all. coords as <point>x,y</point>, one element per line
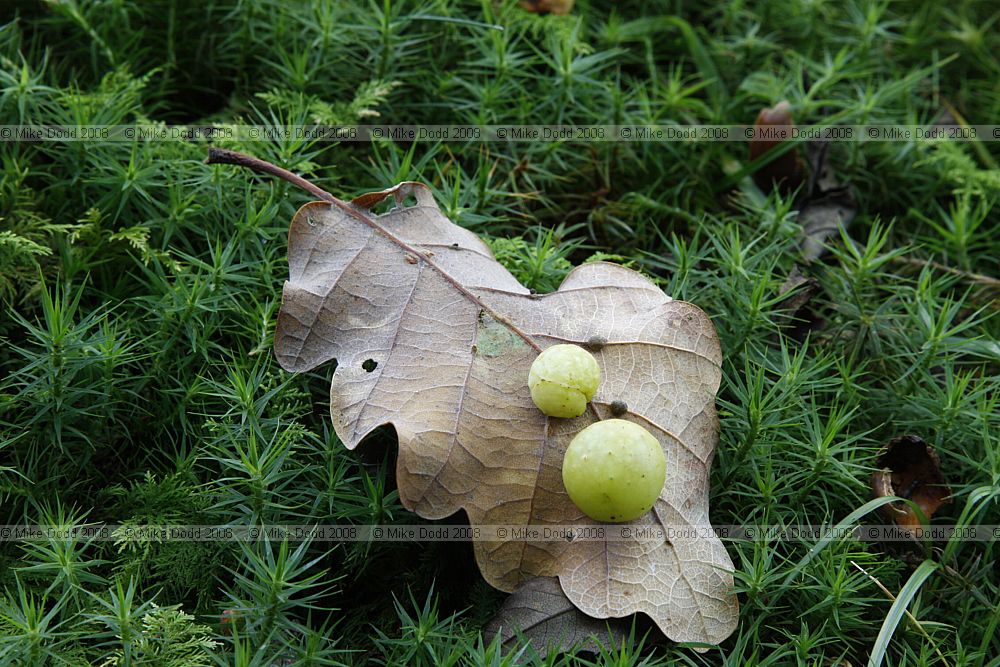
<point>140,289</point>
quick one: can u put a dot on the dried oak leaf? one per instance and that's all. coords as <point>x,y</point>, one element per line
<point>541,612</point>
<point>909,468</point>
<point>433,336</point>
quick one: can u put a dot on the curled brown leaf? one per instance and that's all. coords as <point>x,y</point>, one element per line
<point>909,468</point>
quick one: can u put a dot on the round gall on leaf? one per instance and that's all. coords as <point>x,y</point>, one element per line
<point>563,379</point>
<point>614,470</point>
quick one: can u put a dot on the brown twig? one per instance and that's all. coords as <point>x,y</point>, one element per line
<point>978,278</point>
<point>223,156</point>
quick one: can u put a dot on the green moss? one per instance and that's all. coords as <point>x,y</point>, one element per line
<point>139,290</point>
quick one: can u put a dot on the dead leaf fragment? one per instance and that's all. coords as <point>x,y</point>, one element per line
<point>548,6</point>
<point>909,468</point>
<point>440,349</point>
<point>799,289</point>
<point>822,218</point>
<point>827,205</point>
<point>541,612</point>
<point>787,171</point>
<point>229,621</point>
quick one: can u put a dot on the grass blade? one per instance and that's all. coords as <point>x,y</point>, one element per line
<point>898,609</point>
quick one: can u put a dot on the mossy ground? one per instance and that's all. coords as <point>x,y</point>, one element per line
<point>140,289</point>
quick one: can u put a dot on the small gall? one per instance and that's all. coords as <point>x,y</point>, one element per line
<point>563,379</point>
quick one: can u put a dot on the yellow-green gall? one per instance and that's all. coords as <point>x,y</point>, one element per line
<point>614,470</point>
<point>563,379</point>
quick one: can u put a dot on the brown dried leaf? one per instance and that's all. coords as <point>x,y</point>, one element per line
<point>548,6</point>
<point>909,468</point>
<point>434,337</point>
<point>542,613</point>
<point>787,170</point>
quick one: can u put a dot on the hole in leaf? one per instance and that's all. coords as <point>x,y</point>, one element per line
<point>369,365</point>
